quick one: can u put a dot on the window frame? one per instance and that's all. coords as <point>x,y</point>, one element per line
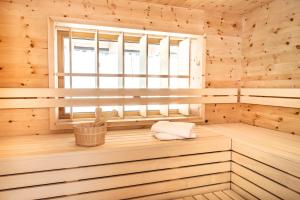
<point>54,54</point>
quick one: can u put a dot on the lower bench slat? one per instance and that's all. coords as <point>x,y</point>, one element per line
<point>73,174</point>
<point>273,160</point>
<point>154,188</point>
<point>187,192</point>
<point>252,188</point>
<point>70,188</point>
<point>104,155</point>
<point>270,172</point>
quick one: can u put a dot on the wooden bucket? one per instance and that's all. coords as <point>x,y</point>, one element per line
<point>89,135</point>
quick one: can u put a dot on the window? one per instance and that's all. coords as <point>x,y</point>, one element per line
<point>111,58</point>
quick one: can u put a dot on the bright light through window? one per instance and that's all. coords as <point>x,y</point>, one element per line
<point>123,61</point>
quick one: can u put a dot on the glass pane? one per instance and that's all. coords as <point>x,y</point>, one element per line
<point>83,56</point>
<point>132,108</point>
<point>109,108</point>
<point>90,109</point>
<point>153,59</point>
<point>67,81</point>
<point>134,82</point>
<point>178,106</point>
<point>110,82</point>
<point>157,82</point>
<point>178,63</point>
<point>108,57</point>
<point>154,107</point>
<point>83,82</point>
<point>179,83</point>
<point>132,58</point>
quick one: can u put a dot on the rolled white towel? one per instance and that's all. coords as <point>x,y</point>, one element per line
<point>181,129</point>
<point>165,136</point>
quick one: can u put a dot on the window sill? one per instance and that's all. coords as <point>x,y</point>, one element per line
<point>121,124</point>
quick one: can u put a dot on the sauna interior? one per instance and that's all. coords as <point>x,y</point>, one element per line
<point>150,99</point>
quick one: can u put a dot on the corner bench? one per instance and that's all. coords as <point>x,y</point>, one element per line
<point>254,162</point>
<point>265,163</point>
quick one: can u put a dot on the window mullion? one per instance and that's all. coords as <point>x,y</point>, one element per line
<point>97,59</point>
<point>70,61</point>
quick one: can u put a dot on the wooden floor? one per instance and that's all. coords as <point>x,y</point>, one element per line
<point>219,195</point>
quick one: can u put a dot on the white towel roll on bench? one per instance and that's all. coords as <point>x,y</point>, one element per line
<point>165,130</point>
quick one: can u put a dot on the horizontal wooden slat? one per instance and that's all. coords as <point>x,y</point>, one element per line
<point>51,103</point>
<point>75,157</point>
<point>272,173</point>
<point>285,164</point>
<point>155,188</point>
<point>271,92</point>
<point>122,75</point>
<point>252,188</point>
<point>60,92</point>
<point>263,182</point>
<point>73,174</point>
<point>117,181</point>
<point>283,102</point>
<point>222,195</point>
<point>187,192</point>
<point>242,192</point>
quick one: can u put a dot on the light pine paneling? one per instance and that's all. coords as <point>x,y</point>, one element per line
<point>23,44</point>
<point>232,6</point>
<point>271,51</point>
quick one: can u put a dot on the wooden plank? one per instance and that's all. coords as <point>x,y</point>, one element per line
<point>265,183</point>
<point>242,192</point>
<point>186,192</point>
<point>52,159</point>
<point>60,92</point>
<point>233,195</point>
<point>90,185</point>
<point>251,188</point>
<point>271,92</point>
<point>188,198</point>
<point>283,102</point>
<point>222,195</point>
<point>73,174</point>
<point>211,196</point>
<point>148,189</point>
<point>271,159</point>
<point>200,197</point>
<point>265,170</point>
<point>50,103</point>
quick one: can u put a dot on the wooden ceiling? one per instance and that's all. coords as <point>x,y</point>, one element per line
<point>230,6</point>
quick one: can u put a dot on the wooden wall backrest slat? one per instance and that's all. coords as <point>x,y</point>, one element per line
<point>284,97</point>
<point>13,98</point>
<point>271,92</point>
<point>61,92</point>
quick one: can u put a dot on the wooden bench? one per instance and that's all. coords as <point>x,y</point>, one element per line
<point>131,164</point>
<point>254,162</point>
<point>265,163</point>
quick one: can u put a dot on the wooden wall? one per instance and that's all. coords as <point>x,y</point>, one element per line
<point>271,52</point>
<point>23,47</point>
